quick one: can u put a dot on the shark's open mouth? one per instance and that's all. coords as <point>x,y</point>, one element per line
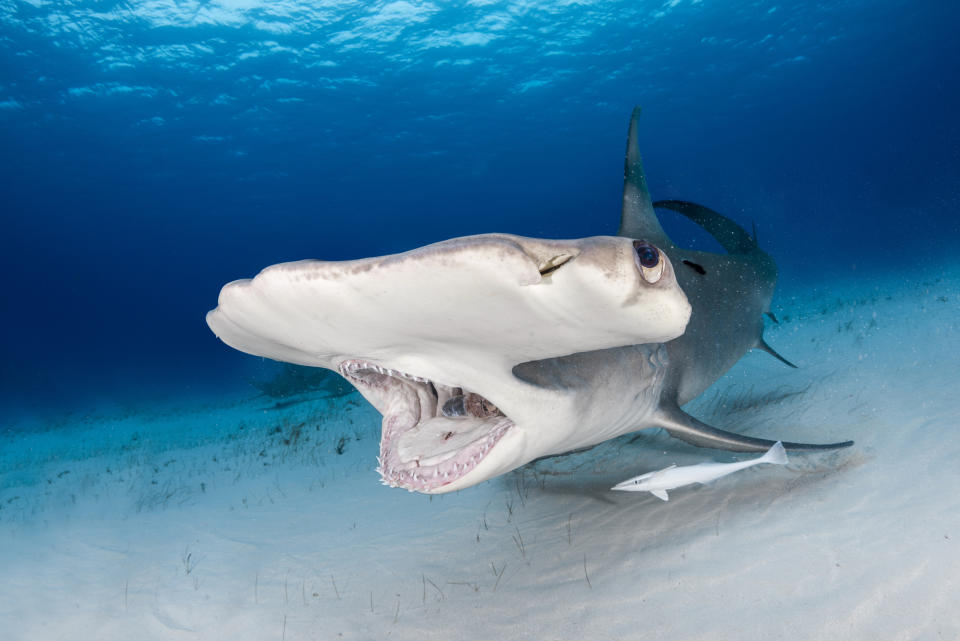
<point>433,434</point>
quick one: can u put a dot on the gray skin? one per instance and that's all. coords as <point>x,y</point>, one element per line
<point>729,294</point>
<point>527,298</point>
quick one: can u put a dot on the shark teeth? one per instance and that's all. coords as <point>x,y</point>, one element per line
<point>418,476</point>
<point>352,369</point>
<point>422,448</point>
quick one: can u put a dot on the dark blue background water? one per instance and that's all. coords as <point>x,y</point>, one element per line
<point>152,151</point>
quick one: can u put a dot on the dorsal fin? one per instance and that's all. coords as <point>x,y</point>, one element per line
<point>637,218</point>
<point>729,234</point>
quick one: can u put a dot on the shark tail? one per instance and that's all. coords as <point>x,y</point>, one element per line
<point>731,236</point>
<point>776,455</point>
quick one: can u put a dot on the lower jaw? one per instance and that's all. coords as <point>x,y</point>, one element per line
<point>429,479</point>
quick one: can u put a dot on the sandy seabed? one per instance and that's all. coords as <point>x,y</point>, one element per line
<point>243,520</point>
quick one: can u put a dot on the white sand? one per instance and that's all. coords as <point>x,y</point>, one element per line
<point>180,525</point>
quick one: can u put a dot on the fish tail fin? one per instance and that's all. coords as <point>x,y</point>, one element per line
<point>731,236</point>
<point>776,455</point>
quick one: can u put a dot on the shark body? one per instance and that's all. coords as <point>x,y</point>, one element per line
<point>484,353</point>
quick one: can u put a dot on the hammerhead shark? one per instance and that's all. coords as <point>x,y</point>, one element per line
<point>486,352</point>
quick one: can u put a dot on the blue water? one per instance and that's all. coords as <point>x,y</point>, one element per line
<point>153,151</point>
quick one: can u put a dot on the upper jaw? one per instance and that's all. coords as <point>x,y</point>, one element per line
<point>433,435</point>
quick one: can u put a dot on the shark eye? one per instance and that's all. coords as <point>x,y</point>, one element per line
<point>649,261</point>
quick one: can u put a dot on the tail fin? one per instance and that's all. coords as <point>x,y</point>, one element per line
<point>731,236</point>
<point>776,455</point>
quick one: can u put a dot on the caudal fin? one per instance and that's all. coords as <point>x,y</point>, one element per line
<point>731,236</point>
<point>776,455</point>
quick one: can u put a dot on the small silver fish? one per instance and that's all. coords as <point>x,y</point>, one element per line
<point>657,483</point>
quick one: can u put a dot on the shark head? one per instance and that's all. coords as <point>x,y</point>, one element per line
<point>431,338</point>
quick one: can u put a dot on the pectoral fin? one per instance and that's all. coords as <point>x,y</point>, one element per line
<point>681,425</point>
<point>660,494</point>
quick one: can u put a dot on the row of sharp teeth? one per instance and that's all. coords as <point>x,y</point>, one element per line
<point>417,476</point>
<point>436,471</point>
<point>353,367</point>
<point>394,479</point>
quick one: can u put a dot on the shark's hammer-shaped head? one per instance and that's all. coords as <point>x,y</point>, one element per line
<point>430,338</point>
